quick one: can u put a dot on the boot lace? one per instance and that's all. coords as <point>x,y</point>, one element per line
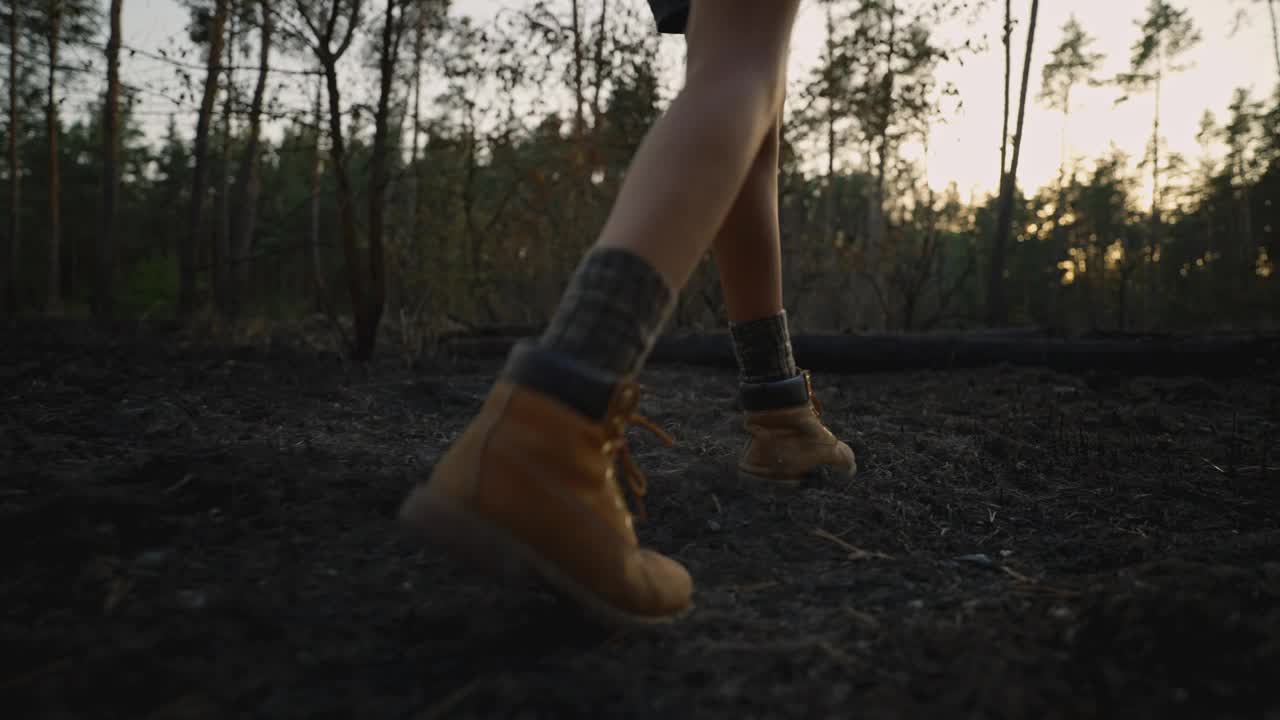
<point>621,451</point>
<point>813,397</point>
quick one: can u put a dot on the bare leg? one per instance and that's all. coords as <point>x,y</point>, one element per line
<point>533,481</point>
<point>693,164</point>
<point>747,249</point>
<point>788,438</point>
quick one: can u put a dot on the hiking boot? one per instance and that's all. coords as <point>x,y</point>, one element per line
<point>531,488</point>
<point>789,443</point>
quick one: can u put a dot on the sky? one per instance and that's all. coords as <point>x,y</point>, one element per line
<point>964,149</point>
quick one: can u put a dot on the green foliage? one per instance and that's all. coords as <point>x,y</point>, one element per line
<point>1167,32</point>
<point>1070,64</point>
<point>149,285</point>
<point>78,20</point>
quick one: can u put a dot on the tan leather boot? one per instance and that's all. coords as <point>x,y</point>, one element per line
<point>789,441</point>
<point>531,487</point>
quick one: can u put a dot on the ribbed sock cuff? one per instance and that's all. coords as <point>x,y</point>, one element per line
<point>763,349</point>
<point>611,313</point>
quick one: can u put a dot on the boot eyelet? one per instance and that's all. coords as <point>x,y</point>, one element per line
<point>607,448</point>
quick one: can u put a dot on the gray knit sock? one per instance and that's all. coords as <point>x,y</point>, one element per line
<point>763,349</point>
<point>611,313</point>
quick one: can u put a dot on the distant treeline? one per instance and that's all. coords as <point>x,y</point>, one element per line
<point>463,188</point>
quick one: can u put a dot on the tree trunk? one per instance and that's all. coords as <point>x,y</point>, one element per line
<point>1008,72</point>
<point>830,209</point>
<point>315,279</point>
<point>15,170</point>
<point>367,324</point>
<point>187,243</point>
<point>1057,239</point>
<point>1062,141</point>
<point>1275,32</point>
<point>579,177</point>
<point>223,263</point>
<point>405,249</point>
<point>878,222</point>
<point>346,217</point>
<point>327,55</point>
<point>104,271</point>
<point>997,307</point>
<point>415,177</point>
<point>579,119</point>
<point>469,198</point>
<point>245,195</point>
<point>600,62</point>
<point>54,302</point>
<point>1246,241</point>
<point>1155,155</point>
<point>1145,291</point>
<point>922,269</point>
<point>995,279</point>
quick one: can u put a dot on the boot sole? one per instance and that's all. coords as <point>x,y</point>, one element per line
<point>475,542</point>
<point>821,472</point>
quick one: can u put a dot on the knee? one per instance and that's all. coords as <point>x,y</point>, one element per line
<point>762,176</point>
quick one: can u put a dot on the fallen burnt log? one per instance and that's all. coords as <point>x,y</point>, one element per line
<point>1213,355</point>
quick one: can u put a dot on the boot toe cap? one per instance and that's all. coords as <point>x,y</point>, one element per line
<point>670,587</point>
<point>848,462</point>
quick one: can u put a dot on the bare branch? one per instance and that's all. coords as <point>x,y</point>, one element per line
<point>352,24</point>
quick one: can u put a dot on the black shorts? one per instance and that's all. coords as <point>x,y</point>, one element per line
<point>672,15</point>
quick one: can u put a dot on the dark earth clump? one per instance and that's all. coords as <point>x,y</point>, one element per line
<point>199,531</point>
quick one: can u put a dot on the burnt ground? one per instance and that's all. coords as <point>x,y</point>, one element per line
<point>190,531</point>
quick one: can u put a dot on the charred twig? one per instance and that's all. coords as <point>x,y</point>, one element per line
<point>754,587</point>
<point>863,617</point>
<point>855,552</point>
<point>450,701</point>
<point>1027,584</point>
<point>1215,466</point>
<point>1016,575</point>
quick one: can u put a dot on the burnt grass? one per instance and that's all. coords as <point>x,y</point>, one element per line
<point>191,530</point>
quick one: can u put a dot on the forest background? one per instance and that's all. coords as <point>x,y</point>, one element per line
<point>418,167</point>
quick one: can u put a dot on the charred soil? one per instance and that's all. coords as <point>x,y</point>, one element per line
<point>198,531</point>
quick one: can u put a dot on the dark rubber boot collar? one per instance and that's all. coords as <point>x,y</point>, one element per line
<point>759,397</point>
<point>582,388</point>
